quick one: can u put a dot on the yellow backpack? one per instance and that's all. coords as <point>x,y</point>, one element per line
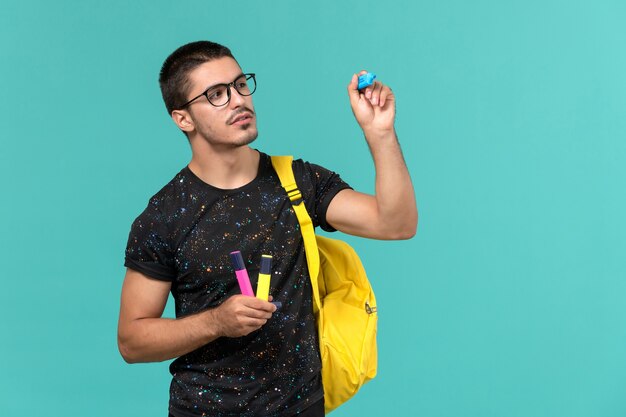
<point>344,303</point>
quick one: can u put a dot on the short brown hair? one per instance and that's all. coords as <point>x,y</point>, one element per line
<point>174,80</point>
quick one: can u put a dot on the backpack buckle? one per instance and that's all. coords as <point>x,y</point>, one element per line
<point>294,194</point>
<point>369,309</point>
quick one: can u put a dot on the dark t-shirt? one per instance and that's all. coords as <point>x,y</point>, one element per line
<point>185,236</point>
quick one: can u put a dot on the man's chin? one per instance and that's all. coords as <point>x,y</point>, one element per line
<point>244,138</point>
<point>248,138</point>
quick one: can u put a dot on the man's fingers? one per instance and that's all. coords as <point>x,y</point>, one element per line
<point>383,93</point>
<point>383,96</point>
<point>374,95</point>
<point>242,305</point>
<point>258,314</point>
<point>258,304</point>
<point>254,323</point>
<point>353,91</point>
<point>378,94</point>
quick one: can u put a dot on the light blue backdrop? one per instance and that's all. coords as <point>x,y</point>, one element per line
<point>510,301</point>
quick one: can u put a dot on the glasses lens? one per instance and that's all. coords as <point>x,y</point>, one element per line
<point>245,85</point>
<point>218,95</point>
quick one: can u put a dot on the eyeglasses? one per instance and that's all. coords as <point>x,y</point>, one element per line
<point>219,95</point>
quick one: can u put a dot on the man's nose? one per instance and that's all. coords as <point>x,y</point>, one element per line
<point>236,99</point>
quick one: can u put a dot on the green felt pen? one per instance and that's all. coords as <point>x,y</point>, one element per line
<point>263,285</point>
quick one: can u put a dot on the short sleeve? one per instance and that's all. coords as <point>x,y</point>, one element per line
<point>148,249</point>
<point>319,186</point>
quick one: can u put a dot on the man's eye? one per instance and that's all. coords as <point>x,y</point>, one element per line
<point>215,94</point>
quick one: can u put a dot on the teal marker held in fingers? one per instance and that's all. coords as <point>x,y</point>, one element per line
<point>366,80</point>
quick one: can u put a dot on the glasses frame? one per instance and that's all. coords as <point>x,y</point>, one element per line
<point>205,93</point>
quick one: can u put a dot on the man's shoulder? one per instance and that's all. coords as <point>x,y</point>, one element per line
<point>173,189</point>
<point>170,199</point>
<point>310,170</point>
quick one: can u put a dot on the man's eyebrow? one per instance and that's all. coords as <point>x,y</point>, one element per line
<point>218,84</point>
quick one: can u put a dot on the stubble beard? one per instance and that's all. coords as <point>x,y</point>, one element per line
<point>213,139</point>
<point>250,136</point>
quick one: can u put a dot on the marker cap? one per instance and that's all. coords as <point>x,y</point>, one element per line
<point>366,80</point>
<point>237,260</point>
<point>266,265</point>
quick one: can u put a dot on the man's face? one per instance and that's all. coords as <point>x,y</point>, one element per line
<point>231,125</point>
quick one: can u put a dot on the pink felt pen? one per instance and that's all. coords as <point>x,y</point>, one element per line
<point>242,273</point>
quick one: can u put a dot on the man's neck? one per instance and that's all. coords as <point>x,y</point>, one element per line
<point>227,169</point>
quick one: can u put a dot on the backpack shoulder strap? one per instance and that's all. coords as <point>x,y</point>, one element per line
<point>282,166</point>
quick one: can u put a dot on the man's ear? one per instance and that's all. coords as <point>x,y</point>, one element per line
<point>183,120</point>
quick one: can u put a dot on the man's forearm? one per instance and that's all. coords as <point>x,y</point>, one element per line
<point>395,197</point>
<point>160,339</point>
<point>153,339</point>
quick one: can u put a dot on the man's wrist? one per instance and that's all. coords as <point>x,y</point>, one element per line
<point>211,328</point>
<point>380,135</point>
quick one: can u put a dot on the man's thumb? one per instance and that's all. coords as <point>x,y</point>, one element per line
<point>353,89</point>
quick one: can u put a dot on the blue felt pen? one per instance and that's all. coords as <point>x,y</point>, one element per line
<point>366,80</point>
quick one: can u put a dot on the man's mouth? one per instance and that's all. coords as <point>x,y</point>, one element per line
<point>240,119</point>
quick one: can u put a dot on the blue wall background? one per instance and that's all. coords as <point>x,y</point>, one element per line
<point>508,302</point>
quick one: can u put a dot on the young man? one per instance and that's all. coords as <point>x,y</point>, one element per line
<point>238,355</point>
